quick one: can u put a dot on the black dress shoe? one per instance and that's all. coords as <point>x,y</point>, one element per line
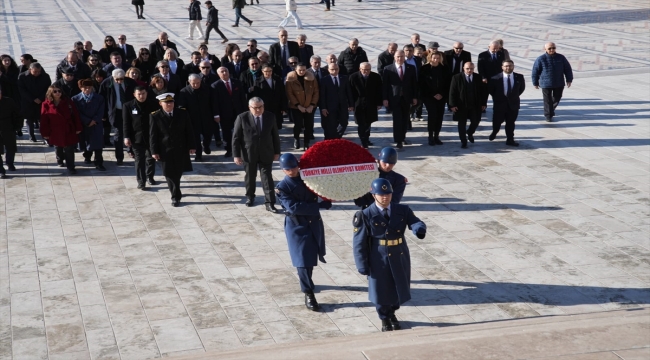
<point>100,168</point>
<point>141,186</point>
<point>175,203</point>
<point>72,171</point>
<point>33,139</point>
<point>296,143</point>
<point>395,323</point>
<point>493,136</point>
<point>549,119</point>
<point>11,168</point>
<point>431,142</point>
<point>407,142</point>
<point>207,150</point>
<point>61,164</point>
<point>470,138</point>
<point>399,145</point>
<point>512,143</point>
<point>87,161</point>
<point>305,145</point>
<point>250,23</point>
<point>219,143</point>
<point>271,208</point>
<point>198,159</point>
<point>370,143</point>
<point>250,201</point>
<point>227,154</point>
<point>152,182</point>
<point>119,162</point>
<point>310,302</point>
<point>463,146</point>
<point>437,141</point>
<point>3,176</point>
<point>386,325</point>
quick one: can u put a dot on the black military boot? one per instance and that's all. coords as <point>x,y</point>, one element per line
<point>310,302</point>
<point>395,323</point>
<point>386,325</point>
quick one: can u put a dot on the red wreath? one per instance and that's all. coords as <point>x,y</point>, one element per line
<point>333,153</point>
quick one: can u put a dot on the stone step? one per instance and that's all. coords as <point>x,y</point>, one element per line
<point>620,334</point>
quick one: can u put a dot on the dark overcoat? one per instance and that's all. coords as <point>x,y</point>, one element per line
<point>89,111</point>
<point>459,95</point>
<point>274,97</point>
<point>303,224</point>
<point>10,121</point>
<point>136,119</point>
<point>172,138</point>
<point>367,96</point>
<point>107,90</point>
<point>389,267</point>
<point>31,88</point>
<point>60,123</point>
<point>229,105</point>
<point>201,107</point>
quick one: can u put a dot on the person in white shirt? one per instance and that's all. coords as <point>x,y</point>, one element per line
<point>291,8</point>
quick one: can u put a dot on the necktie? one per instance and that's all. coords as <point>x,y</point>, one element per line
<point>469,79</point>
<point>167,77</point>
<point>509,85</point>
<point>385,211</point>
<point>284,55</point>
<point>170,114</point>
<point>401,74</point>
<point>258,122</point>
<point>494,56</point>
<point>236,68</point>
<point>336,82</point>
<point>228,87</point>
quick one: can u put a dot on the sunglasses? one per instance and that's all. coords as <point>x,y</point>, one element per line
<point>121,38</point>
<point>459,48</point>
<point>204,67</point>
<point>164,67</point>
<point>249,45</point>
<point>109,40</point>
<point>551,48</point>
<point>293,63</point>
<point>119,79</point>
<point>56,91</point>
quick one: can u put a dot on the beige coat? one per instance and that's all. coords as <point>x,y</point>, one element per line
<point>299,96</point>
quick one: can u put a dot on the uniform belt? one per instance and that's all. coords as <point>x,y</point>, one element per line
<point>384,242</point>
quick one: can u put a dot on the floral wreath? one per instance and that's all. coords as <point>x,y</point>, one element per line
<point>338,169</point>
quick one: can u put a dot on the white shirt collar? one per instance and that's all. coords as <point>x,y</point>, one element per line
<point>381,209</point>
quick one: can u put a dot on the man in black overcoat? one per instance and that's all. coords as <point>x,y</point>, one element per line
<point>281,51</point>
<point>172,143</point>
<point>456,58</point>
<point>272,91</point>
<point>365,86</point>
<point>10,122</point>
<point>386,58</point>
<point>335,101</point>
<point>489,62</point>
<point>506,88</point>
<point>135,114</point>
<point>467,99</point>
<point>231,101</point>
<point>157,48</point>
<point>109,89</point>
<point>256,144</point>
<point>399,93</point>
<point>198,100</point>
<point>32,86</point>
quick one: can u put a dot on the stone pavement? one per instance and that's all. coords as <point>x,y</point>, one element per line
<point>91,267</point>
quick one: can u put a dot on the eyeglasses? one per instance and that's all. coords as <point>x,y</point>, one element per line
<point>108,40</point>
<point>249,45</point>
<point>255,64</point>
<point>204,67</point>
<point>119,79</point>
<point>293,63</point>
<point>121,38</point>
<point>551,48</point>
<point>256,107</point>
<point>458,48</point>
<point>164,67</point>
<point>56,91</point>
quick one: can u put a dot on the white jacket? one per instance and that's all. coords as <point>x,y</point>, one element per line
<point>291,5</point>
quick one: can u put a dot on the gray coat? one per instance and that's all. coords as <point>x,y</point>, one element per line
<point>89,111</point>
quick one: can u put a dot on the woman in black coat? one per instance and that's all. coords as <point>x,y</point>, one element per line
<point>434,81</point>
<point>145,63</point>
<point>139,7</point>
<point>206,56</point>
<point>10,122</point>
<point>9,70</point>
<point>109,47</point>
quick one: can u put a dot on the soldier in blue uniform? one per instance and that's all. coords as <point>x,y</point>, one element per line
<point>386,161</point>
<point>303,225</point>
<point>381,253</point>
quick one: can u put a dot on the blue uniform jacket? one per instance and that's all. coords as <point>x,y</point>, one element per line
<point>388,267</point>
<point>397,180</point>
<point>303,225</point>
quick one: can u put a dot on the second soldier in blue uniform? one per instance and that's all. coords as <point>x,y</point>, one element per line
<point>303,225</point>
<point>381,253</point>
<point>386,161</point>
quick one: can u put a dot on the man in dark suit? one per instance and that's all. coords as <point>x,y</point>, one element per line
<point>399,92</point>
<point>231,101</point>
<point>305,51</point>
<point>352,57</point>
<point>251,77</point>
<point>193,67</point>
<point>157,48</point>
<point>415,42</point>
<point>365,86</point>
<point>251,50</point>
<point>506,88</point>
<point>236,67</point>
<point>116,63</point>
<point>386,58</point>
<point>129,51</point>
<point>116,91</point>
<point>315,68</point>
<point>270,88</point>
<point>456,58</point>
<point>281,51</point>
<point>335,102</point>
<point>208,77</point>
<point>172,143</point>
<point>467,99</point>
<point>197,99</point>
<point>173,81</point>
<point>489,62</point>
<point>332,59</point>
<point>73,62</point>
<point>135,114</point>
<point>415,61</point>
<point>256,144</point>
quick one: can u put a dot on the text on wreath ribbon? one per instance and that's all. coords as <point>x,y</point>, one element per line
<point>336,170</point>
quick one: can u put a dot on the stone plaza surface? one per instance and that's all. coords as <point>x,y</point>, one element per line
<point>92,268</point>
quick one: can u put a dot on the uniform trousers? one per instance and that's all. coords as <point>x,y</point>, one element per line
<point>174,185</point>
<point>474,117</point>
<point>435,114</point>
<point>386,311</point>
<point>509,116</point>
<point>401,119</point>
<point>552,98</point>
<point>145,165</point>
<point>304,274</point>
<point>265,175</point>
<point>302,120</point>
<point>65,153</point>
